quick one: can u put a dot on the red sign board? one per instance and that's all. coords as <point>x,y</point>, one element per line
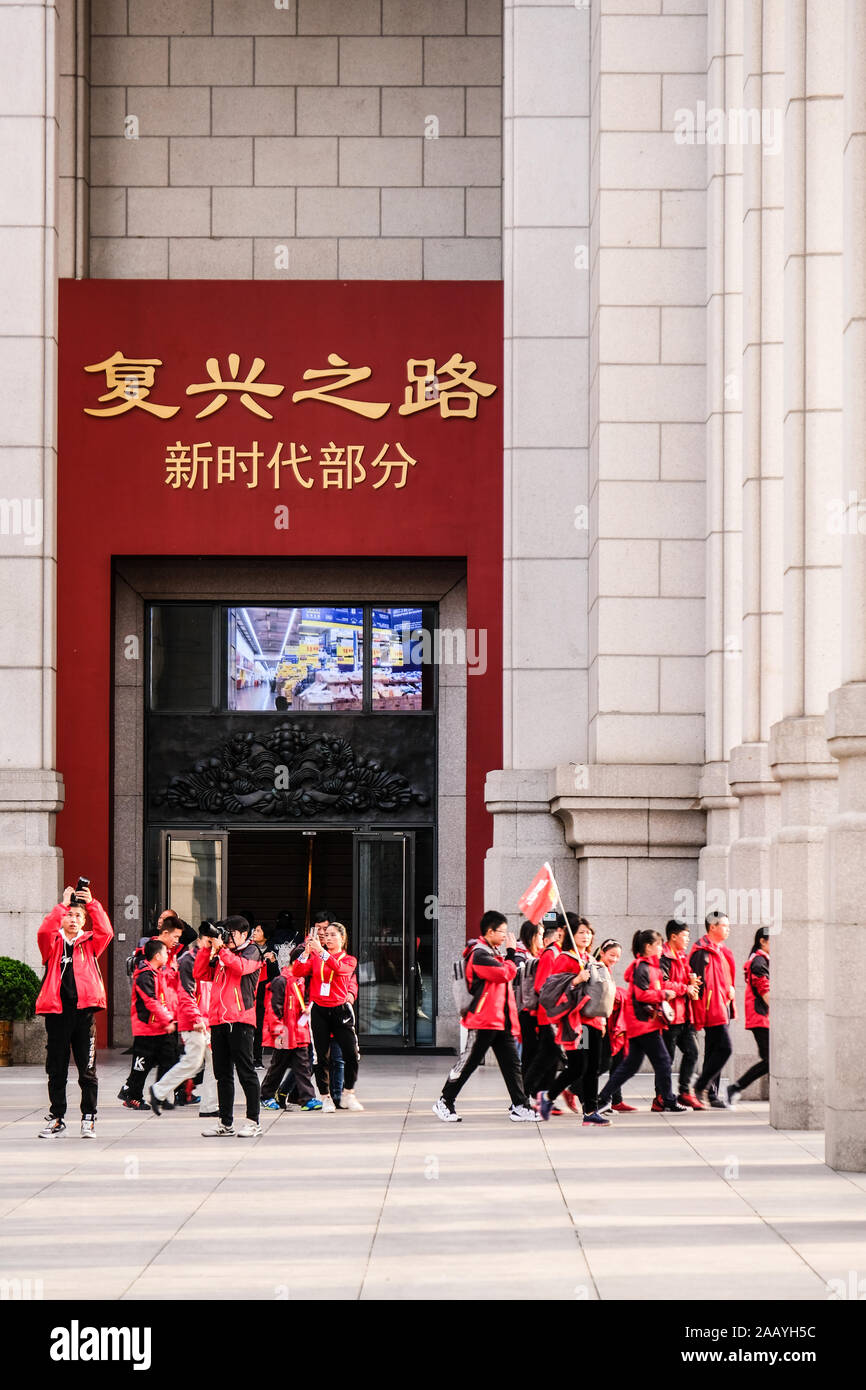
<point>259,418</point>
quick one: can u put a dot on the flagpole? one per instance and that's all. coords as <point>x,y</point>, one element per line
<point>562,906</point>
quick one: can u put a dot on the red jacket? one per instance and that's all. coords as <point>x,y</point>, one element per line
<point>150,1006</point>
<point>757,972</point>
<point>646,988</point>
<point>233,976</point>
<point>546,966</point>
<point>616,1031</point>
<point>490,977</point>
<point>287,1018</point>
<point>677,973</point>
<point>715,966</point>
<point>88,947</point>
<point>334,972</point>
<point>189,1005</point>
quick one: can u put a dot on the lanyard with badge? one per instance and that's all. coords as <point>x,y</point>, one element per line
<point>325,986</point>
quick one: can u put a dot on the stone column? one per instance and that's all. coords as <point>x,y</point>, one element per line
<point>749,877</point>
<point>724,502</point>
<point>31,791</point>
<point>546,259</point>
<point>845,936</point>
<point>812,445</point>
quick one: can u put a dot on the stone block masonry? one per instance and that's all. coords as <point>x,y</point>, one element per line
<point>365,136</point>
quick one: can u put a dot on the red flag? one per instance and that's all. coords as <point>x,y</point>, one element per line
<point>540,896</point>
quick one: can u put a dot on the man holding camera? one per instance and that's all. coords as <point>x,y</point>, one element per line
<point>191,1026</point>
<point>231,962</point>
<point>71,940</point>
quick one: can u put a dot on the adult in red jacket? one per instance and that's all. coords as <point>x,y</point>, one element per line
<point>152,1011</point>
<point>647,989</point>
<point>286,1028</point>
<point>71,939</point>
<point>545,1066</point>
<point>757,973</point>
<point>230,964</point>
<point>713,1009</point>
<point>490,1020</point>
<point>674,961</point>
<point>331,972</point>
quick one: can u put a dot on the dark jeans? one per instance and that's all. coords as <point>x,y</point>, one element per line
<point>336,1070</point>
<point>528,1039</point>
<point>717,1049</point>
<point>758,1069</point>
<point>287,1064</point>
<point>682,1036</point>
<point>570,1075</point>
<point>504,1047</point>
<point>158,1051</point>
<point>647,1045</point>
<point>231,1047</point>
<point>73,1031</point>
<point>336,1024</point>
<point>546,1064</point>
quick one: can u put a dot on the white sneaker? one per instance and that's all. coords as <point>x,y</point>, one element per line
<point>521,1114</point>
<point>328,1106</point>
<point>445,1112</point>
<point>350,1101</point>
<point>88,1127</point>
<point>53,1129</point>
<point>217,1131</point>
<point>251,1130</point>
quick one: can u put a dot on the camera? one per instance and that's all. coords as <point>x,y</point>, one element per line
<point>216,931</point>
<point>75,900</point>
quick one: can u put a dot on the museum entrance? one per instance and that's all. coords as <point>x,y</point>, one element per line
<point>365,878</point>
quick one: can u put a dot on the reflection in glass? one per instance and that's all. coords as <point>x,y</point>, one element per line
<point>181,656</point>
<point>195,879</point>
<point>381,944</point>
<point>398,658</point>
<point>291,659</point>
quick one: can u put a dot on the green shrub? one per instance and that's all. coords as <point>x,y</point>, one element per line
<point>19,986</point>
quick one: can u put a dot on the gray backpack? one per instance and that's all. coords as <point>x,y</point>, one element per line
<point>460,988</point>
<point>600,992</point>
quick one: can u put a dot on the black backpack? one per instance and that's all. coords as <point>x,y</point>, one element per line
<point>134,961</point>
<point>524,986</point>
<point>560,993</point>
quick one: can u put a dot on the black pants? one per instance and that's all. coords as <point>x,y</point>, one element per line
<point>571,1075</point>
<point>338,1023</point>
<point>232,1051</point>
<point>286,1064</point>
<point>73,1030</point>
<point>504,1048</point>
<point>647,1045</point>
<point>758,1069</point>
<point>546,1064</point>
<point>582,1067</point>
<point>605,1062</point>
<point>682,1036</point>
<point>158,1051</point>
<point>528,1039</point>
<point>717,1049</point>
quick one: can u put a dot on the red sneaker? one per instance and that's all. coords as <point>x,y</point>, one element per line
<point>658,1104</point>
<point>571,1101</point>
<point>625,1109</point>
<point>688,1098</point>
<point>556,1111</point>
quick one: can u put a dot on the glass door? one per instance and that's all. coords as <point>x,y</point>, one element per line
<point>383,875</point>
<point>194,874</point>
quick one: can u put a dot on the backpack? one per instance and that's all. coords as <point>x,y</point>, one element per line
<point>460,987</point>
<point>559,994</point>
<point>525,992</point>
<point>134,961</point>
<point>600,991</point>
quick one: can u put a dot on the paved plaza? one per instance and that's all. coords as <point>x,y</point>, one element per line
<point>394,1204</point>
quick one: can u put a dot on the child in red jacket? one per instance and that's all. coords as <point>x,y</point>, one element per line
<point>646,991</point>
<point>286,1029</point>
<point>757,973</point>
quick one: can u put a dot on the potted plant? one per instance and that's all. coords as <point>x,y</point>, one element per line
<point>19,986</point>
